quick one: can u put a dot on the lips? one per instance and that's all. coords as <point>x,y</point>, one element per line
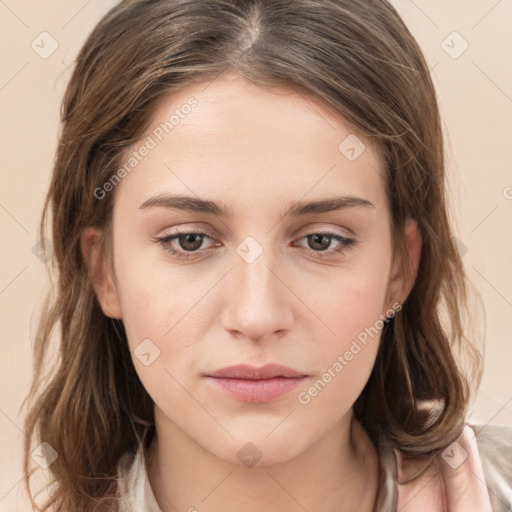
<point>245,371</point>
<point>256,385</point>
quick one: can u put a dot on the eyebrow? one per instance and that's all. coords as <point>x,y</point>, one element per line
<point>295,209</point>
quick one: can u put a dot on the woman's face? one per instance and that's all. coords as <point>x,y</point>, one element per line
<point>258,283</point>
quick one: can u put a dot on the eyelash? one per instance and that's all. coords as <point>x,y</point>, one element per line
<point>346,244</point>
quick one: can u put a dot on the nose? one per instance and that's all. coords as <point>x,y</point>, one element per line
<point>260,300</point>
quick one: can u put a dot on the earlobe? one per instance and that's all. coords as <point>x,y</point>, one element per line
<point>99,272</point>
<point>401,281</point>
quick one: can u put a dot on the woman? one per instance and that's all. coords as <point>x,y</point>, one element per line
<point>260,300</point>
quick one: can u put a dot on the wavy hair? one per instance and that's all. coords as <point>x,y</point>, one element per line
<point>358,58</point>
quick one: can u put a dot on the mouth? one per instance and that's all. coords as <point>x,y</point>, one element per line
<point>256,385</point>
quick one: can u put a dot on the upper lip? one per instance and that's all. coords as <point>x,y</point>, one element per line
<point>245,371</point>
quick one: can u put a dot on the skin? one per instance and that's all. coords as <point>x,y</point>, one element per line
<point>255,151</point>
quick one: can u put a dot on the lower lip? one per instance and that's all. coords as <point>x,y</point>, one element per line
<point>257,391</point>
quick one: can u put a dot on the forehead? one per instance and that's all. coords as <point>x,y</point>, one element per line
<point>229,136</point>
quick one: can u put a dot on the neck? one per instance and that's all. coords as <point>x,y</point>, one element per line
<point>338,473</point>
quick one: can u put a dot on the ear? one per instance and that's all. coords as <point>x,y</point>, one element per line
<point>401,282</point>
<point>100,272</point>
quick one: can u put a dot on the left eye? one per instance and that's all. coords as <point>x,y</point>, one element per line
<point>320,241</point>
<point>191,242</point>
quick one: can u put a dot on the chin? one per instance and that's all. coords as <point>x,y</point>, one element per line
<point>256,448</point>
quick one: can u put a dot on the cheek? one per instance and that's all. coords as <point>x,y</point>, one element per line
<point>156,314</point>
<point>346,358</point>
<point>147,306</point>
<point>350,310</point>
<point>164,313</point>
<point>155,298</point>
<point>350,302</point>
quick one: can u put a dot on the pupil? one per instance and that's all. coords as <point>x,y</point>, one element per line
<point>318,238</point>
<point>189,238</point>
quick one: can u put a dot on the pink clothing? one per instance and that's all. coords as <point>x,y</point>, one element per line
<point>455,482</point>
<point>473,474</point>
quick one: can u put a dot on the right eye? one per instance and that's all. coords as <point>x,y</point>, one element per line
<point>189,242</point>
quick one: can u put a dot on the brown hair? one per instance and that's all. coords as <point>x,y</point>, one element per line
<point>359,59</point>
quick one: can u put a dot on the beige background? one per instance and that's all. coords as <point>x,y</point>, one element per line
<point>475,91</point>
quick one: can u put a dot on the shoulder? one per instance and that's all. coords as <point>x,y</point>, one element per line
<point>495,441</point>
<point>134,488</point>
<point>128,473</point>
<point>473,474</point>
<point>495,450</point>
